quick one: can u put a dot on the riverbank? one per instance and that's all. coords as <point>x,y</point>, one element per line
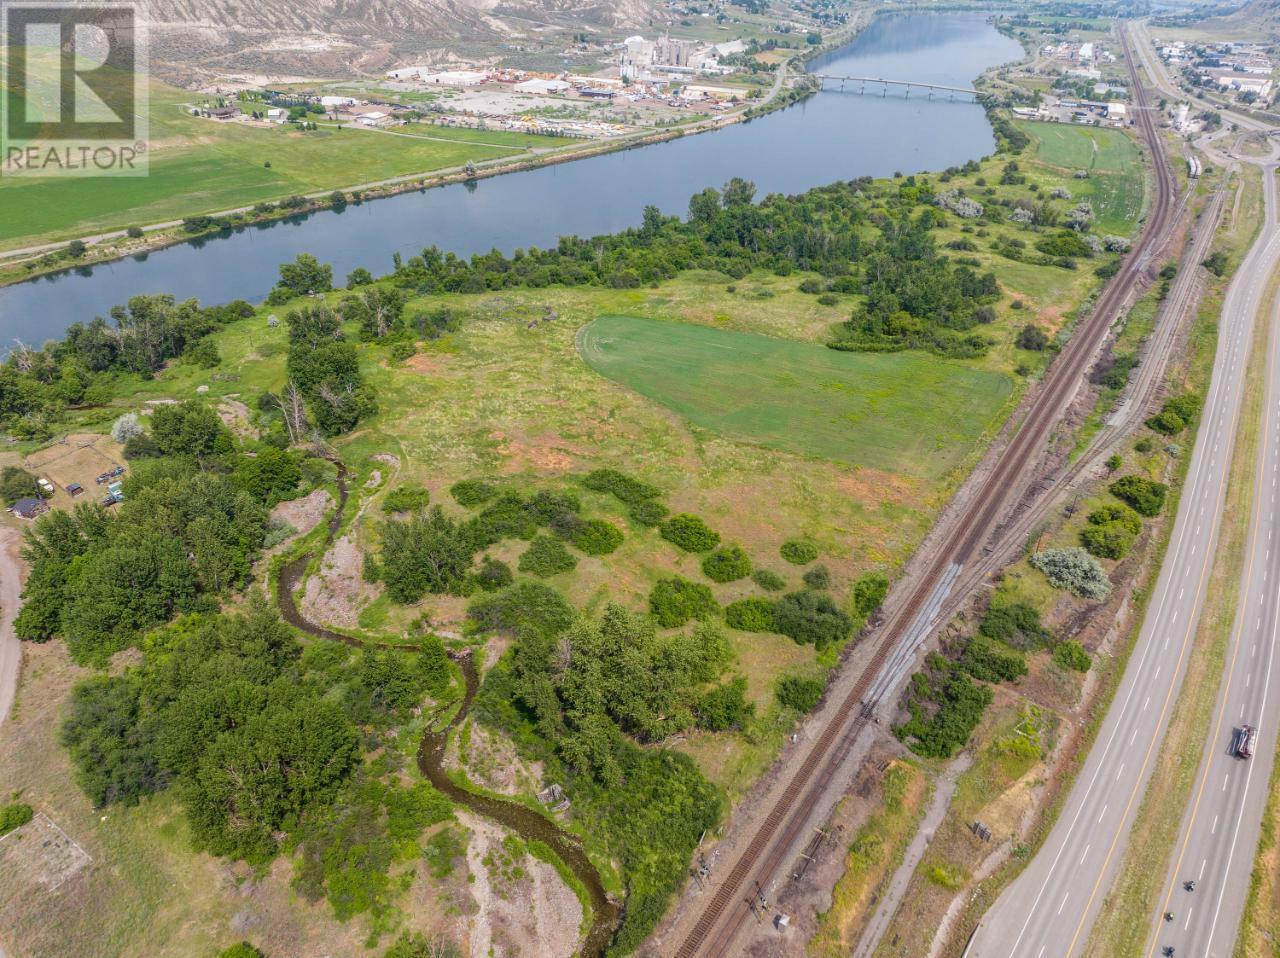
<point>48,259</point>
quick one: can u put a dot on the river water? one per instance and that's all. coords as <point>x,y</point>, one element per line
<point>829,137</point>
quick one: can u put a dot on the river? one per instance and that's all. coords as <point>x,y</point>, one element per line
<point>829,137</point>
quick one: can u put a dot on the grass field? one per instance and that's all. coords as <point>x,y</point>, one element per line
<point>201,166</point>
<point>901,412</point>
<point>1115,185</point>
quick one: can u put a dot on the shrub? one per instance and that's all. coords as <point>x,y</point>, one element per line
<point>406,498</point>
<point>799,551</point>
<point>1176,414</point>
<point>494,575</point>
<point>650,512</point>
<point>14,815</point>
<point>1108,540</point>
<point>524,608</point>
<point>674,601</point>
<point>1016,624</point>
<point>1032,338</point>
<point>753,614</point>
<point>798,693</point>
<point>725,706</point>
<point>426,553</point>
<point>819,577</point>
<point>1075,570</point>
<point>811,618</point>
<point>126,427</point>
<point>470,493</point>
<point>620,486</point>
<point>1071,655</point>
<point>1146,496</point>
<point>727,564</point>
<point>595,537</point>
<point>690,533</point>
<point>984,660</point>
<point>828,299</point>
<point>1143,445</point>
<point>546,557</point>
<point>868,592</point>
<point>241,949</point>
<point>768,580</point>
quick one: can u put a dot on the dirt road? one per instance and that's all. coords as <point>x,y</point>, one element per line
<point>10,590</point>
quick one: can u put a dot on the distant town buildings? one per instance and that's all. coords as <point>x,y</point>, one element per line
<point>1236,67</point>
<point>641,59</point>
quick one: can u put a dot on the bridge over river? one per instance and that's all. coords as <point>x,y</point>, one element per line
<point>885,83</point>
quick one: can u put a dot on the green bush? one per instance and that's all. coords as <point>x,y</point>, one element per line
<point>494,575</point>
<point>753,614</point>
<point>690,533</point>
<point>819,577</point>
<point>1144,495</point>
<point>799,551</point>
<point>1118,513</point>
<point>674,601</point>
<point>798,693</point>
<point>406,498</point>
<point>14,815</point>
<point>546,557</point>
<point>470,493</point>
<point>241,949</point>
<point>1110,540</point>
<point>984,660</point>
<point>727,564</point>
<point>1143,445</point>
<point>1176,414</point>
<point>526,608</point>
<point>725,706</point>
<point>17,483</point>
<point>1071,655</point>
<point>868,592</point>
<point>811,618</point>
<point>620,486</point>
<point>1016,624</point>
<point>960,705</point>
<point>768,580</point>
<point>595,537</point>
<point>650,512</point>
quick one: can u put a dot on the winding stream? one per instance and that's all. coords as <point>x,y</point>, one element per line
<point>524,821</point>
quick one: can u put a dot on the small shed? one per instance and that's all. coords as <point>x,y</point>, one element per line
<point>75,489</point>
<point>29,508</point>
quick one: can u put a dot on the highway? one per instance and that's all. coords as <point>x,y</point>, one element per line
<point>1048,911</point>
<point>1220,829</point>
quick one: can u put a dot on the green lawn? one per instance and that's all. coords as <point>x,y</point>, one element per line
<point>200,166</point>
<point>1115,186</point>
<point>908,413</point>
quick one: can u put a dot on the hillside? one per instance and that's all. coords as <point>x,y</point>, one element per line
<point>195,39</point>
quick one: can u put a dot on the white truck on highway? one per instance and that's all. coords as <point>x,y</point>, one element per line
<point>1246,740</point>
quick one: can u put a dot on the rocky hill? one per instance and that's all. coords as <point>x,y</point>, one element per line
<point>192,40</point>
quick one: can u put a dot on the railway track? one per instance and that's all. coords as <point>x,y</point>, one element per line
<point>766,853</point>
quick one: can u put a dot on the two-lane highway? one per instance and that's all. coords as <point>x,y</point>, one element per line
<point>1220,829</point>
<point>1048,910</point>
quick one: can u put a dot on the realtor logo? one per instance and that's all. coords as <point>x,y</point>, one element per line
<point>74,89</point>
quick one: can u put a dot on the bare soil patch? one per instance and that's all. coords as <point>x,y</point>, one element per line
<point>336,594</point>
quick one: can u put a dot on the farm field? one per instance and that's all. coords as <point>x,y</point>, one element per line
<point>1115,185</point>
<point>201,166</point>
<point>901,412</point>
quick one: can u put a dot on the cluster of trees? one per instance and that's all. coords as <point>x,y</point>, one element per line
<point>1146,496</point>
<point>257,739</point>
<point>324,373</point>
<point>1111,531</point>
<point>945,706</point>
<point>181,538</point>
<point>582,696</point>
<point>1176,413</point>
<point>38,386</point>
<point>916,298</point>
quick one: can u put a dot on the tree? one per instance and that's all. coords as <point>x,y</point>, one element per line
<point>1032,338</point>
<point>690,533</point>
<point>189,428</point>
<point>17,483</point>
<point>1145,495</point>
<point>798,693</point>
<point>810,617</point>
<point>673,601</point>
<point>125,428</point>
<point>727,564</point>
<point>704,206</point>
<point>424,554</point>
<point>305,275</point>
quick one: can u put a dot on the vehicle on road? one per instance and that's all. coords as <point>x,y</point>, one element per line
<point>1189,884</point>
<point>1246,740</point>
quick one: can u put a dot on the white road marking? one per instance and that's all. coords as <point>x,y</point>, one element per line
<point>1203,862</point>
<point>1064,902</point>
<point>1100,814</point>
<point>1214,829</point>
<point>1084,856</point>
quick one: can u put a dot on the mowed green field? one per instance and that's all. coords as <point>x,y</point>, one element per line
<point>201,166</point>
<point>1116,184</point>
<point>907,413</point>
